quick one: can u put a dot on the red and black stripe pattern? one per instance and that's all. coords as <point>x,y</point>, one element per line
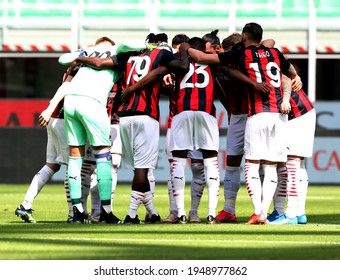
<point>144,101</point>
<point>196,90</point>
<point>300,104</point>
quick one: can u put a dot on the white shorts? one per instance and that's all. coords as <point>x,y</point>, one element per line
<point>301,141</point>
<point>265,137</point>
<point>195,154</point>
<point>235,134</point>
<point>116,147</point>
<point>192,130</point>
<point>57,150</point>
<point>140,141</point>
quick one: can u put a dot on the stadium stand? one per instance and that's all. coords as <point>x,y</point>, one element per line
<point>14,11</point>
<point>161,15</point>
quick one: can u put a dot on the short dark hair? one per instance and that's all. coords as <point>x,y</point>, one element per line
<point>151,38</point>
<point>231,41</point>
<point>104,39</point>
<point>197,43</point>
<point>178,39</point>
<point>161,37</point>
<point>212,38</point>
<point>254,31</point>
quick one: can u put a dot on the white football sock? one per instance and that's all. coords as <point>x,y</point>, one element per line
<point>231,185</point>
<point>281,190</point>
<point>136,199</point>
<point>197,185</point>
<point>178,182</point>
<point>172,202</point>
<point>293,167</point>
<point>87,169</point>
<point>269,186</point>
<point>37,183</point>
<point>302,189</point>
<point>95,198</point>
<point>148,202</point>
<point>212,179</point>
<point>253,184</point>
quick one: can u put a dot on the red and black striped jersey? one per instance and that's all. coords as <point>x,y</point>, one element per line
<point>195,90</point>
<point>112,105</point>
<point>261,64</point>
<point>58,112</point>
<point>144,101</point>
<point>235,92</point>
<point>172,105</point>
<point>300,104</point>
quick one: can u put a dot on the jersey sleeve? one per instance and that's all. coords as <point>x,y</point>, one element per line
<point>167,57</point>
<point>230,57</point>
<point>120,60</point>
<point>284,63</point>
<point>72,72</point>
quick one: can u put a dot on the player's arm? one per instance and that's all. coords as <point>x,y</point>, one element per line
<point>269,43</point>
<point>151,77</point>
<point>296,81</point>
<point>68,58</point>
<point>220,93</point>
<point>203,58</point>
<point>289,70</point>
<point>287,89</point>
<point>296,84</point>
<point>180,66</point>
<point>238,75</point>
<point>95,62</point>
<point>115,61</point>
<point>45,116</point>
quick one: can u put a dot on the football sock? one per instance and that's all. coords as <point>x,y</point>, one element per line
<point>149,203</point>
<point>68,198</point>
<point>281,190</point>
<point>197,185</point>
<point>136,199</point>
<point>38,182</point>
<point>213,183</point>
<point>79,207</point>
<point>104,176</point>
<point>293,166</point>
<point>86,171</point>
<point>178,181</point>
<point>231,185</point>
<point>95,199</point>
<point>115,159</point>
<point>302,189</point>
<point>151,178</point>
<point>253,184</point>
<point>269,186</point>
<point>173,207</point>
<point>74,179</point>
<point>114,181</point>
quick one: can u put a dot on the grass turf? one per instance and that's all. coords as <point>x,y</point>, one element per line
<point>51,238</point>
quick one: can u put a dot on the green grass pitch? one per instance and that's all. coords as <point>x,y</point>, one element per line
<point>51,238</point>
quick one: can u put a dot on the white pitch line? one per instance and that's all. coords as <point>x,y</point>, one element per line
<point>182,241</point>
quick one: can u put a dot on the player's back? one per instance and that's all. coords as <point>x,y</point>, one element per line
<point>93,82</point>
<point>144,101</point>
<point>263,64</point>
<point>196,90</point>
